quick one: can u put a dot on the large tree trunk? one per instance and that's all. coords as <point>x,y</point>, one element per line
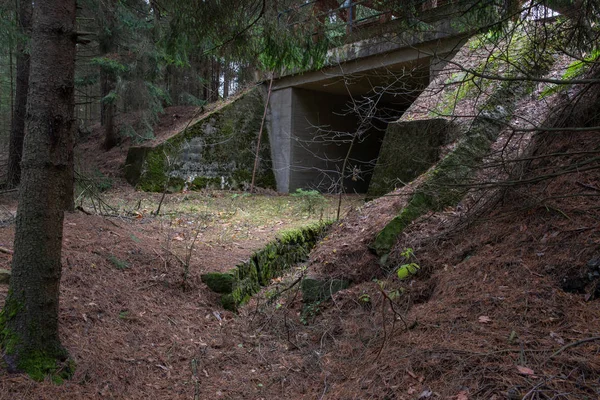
<point>17,129</point>
<point>29,320</point>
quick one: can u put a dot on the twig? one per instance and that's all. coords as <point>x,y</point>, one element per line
<point>393,308</point>
<point>588,186</point>
<point>5,250</point>
<point>9,191</point>
<point>196,379</point>
<point>287,330</point>
<point>291,286</point>
<point>384,329</point>
<point>577,343</point>
<point>80,208</point>
<point>262,123</point>
<point>533,390</point>
<point>326,386</point>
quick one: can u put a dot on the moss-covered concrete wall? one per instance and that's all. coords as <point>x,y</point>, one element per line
<point>447,182</point>
<point>241,282</point>
<point>409,149</point>
<point>217,152</point>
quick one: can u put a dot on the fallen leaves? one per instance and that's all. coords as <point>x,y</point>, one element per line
<point>462,395</point>
<point>557,338</point>
<point>420,379</point>
<point>524,370</point>
<point>484,319</point>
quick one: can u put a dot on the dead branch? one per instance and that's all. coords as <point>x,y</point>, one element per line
<point>574,344</point>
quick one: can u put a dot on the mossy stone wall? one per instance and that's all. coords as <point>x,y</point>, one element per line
<point>240,283</point>
<point>216,152</point>
<point>409,149</point>
<point>447,183</point>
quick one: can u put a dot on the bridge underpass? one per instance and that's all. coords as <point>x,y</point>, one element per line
<point>315,115</point>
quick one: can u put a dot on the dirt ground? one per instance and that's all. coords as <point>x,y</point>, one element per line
<point>128,317</point>
<point>504,305</point>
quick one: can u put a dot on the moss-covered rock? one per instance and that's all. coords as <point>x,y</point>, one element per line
<point>239,284</point>
<point>4,276</point>
<point>216,152</point>
<point>219,282</point>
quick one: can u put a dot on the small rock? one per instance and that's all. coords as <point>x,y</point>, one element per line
<point>513,394</point>
<point>219,282</point>
<point>574,284</point>
<point>594,264</point>
<point>4,276</point>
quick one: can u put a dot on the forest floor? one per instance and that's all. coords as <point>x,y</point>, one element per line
<point>504,306</point>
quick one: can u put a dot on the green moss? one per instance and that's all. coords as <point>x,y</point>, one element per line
<point>153,175</point>
<point>8,339</point>
<point>387,237</point>
<point>175,185</point>
<point>244,289</point>
<point>441,188</point>
<point>513,55</point>
<point>271,261</point>
<point>219,282</point>
<point>240,177</point>
<point>221,145</point>
<point>203,182</point>
<point>133,164</point>
<point>228,302</point>
<point>37,364</point>
<point>574,70</point>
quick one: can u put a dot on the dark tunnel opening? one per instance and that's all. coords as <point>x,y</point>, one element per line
<point>340,123</point>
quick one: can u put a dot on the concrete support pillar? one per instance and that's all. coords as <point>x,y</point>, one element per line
<point>281,136</point>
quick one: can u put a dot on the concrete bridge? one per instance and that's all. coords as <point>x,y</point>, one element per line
<point>335,118</point>
<point>327,126</point>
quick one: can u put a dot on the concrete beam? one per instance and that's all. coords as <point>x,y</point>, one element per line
<point>390,60</point>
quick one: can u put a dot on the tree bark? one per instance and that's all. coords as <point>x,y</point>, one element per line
<point>29,320</point>
<point>111,138</point>
<point>17,129</point>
